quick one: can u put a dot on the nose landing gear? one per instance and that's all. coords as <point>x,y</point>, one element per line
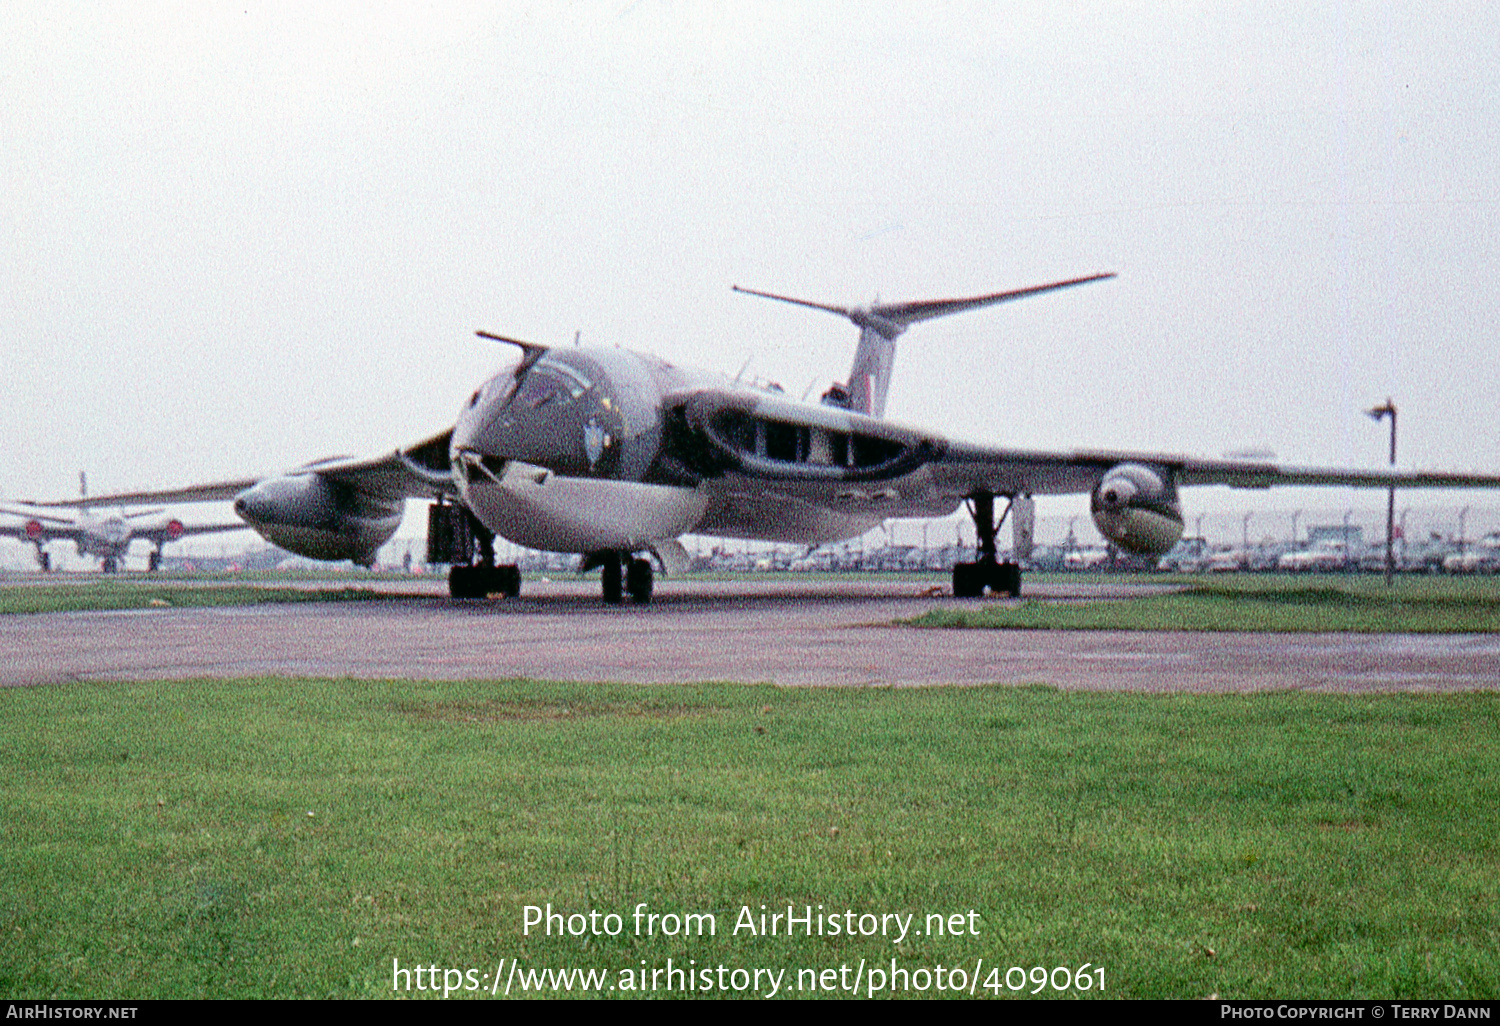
<point>609,562</point>
<point>622,575</point>
<point>639,579</point>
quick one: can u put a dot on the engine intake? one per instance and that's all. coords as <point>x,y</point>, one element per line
<point>1135,506</point>
<point>766,439</point>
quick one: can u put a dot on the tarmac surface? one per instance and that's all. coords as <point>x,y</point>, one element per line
<point>789,633</point>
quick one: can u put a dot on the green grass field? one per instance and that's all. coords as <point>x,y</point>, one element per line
<point>144,592</point>
<point>274,838</point>
<point>1260,603</point>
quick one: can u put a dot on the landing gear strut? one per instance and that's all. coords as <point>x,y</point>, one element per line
<point>970,579</point>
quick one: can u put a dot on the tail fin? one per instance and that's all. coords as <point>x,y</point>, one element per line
<point>880,324</point>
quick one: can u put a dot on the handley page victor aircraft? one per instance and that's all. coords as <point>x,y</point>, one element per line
<point>106,534</point>
<point>616,455</point>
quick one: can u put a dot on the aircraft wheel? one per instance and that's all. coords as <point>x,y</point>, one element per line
<point>457,581</point>
<point>1005,579</point>
<point>153,562</point>
<point>110,566</point>
<point>464,582</point>
<point>508,580</point>
<point>639,579</point>
<point>611,579</point>
<point>46,559</point>
<point>967,581</point>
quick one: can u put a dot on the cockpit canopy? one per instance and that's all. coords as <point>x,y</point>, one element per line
<point>582,413</point>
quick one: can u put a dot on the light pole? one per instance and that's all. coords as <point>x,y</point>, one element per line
<point>1378,414</point>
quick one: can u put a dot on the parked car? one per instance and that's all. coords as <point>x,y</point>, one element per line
<point>1483,557</point>
<point>1327,554</point>
<point>1188,556</point>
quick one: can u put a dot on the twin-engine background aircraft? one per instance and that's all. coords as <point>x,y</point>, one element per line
<point>616,455</point>
<point>106,534</point>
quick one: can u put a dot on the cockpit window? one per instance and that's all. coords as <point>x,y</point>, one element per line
<point>539,389</point>
<point>551,383</point>
<point>580,380</point>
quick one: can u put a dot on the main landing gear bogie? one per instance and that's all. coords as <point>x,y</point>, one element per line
<point>481,578</point>
<point>475,582</point>
<point>971,579</point>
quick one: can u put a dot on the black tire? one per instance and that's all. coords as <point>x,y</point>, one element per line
<point>508,580</point>
<point>613,585</point>
<point>1005,579</point>
<point>464,582</point>
<point>967,581</point>
<point>639,579</point>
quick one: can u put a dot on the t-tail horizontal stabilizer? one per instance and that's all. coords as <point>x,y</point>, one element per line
<point>880,324</point>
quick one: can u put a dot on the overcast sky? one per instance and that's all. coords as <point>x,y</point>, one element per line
<point>240,237</point>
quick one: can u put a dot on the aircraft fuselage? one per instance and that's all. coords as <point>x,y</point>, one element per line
<point>590,450</point>
<point>106,535</point>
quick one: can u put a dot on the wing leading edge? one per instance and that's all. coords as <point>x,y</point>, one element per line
<point>417,471</point>
<point>966,469</point>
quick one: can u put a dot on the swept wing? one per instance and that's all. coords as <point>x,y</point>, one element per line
<point>967,468</point>
<point>416,471</point>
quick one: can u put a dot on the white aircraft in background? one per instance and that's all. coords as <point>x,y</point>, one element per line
<point>103,533</point>
<point>615,455</point>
